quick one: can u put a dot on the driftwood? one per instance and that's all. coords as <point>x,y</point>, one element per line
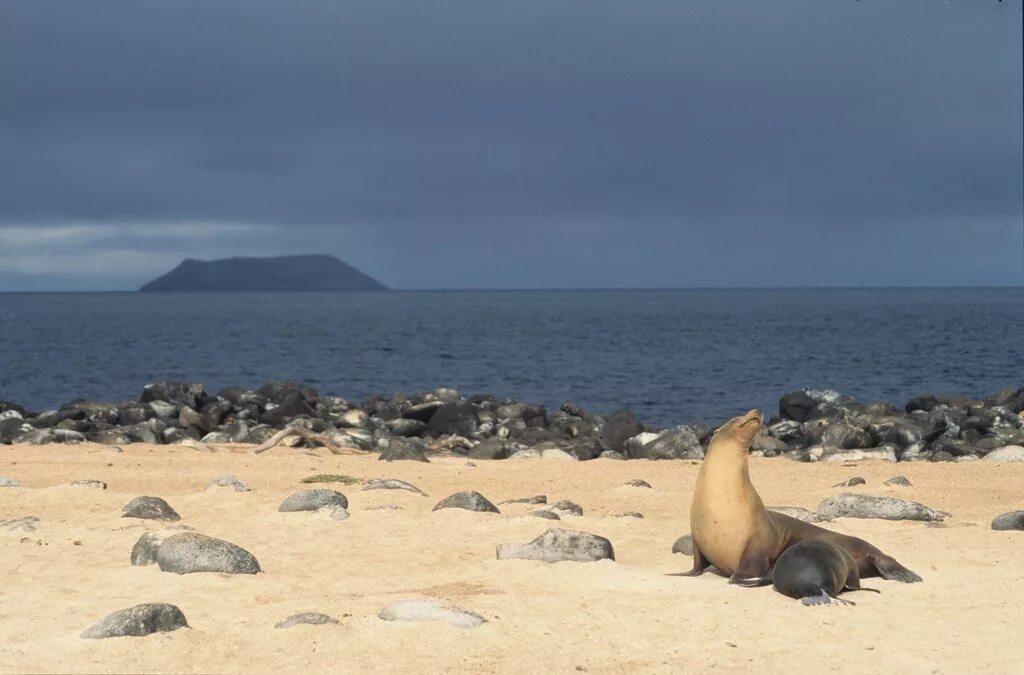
<point>308,435</point>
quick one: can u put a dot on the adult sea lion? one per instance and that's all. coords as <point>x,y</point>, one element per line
<point>815,571</point>
<point>733,531</point>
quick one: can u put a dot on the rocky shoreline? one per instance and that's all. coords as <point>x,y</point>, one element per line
<point>810,425</point>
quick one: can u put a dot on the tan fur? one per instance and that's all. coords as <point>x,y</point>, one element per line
<point>727,512</point>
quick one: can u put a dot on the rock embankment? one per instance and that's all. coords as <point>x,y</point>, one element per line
<point>810,425</point>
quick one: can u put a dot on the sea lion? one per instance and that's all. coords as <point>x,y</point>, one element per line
<point>733,531</point>
<point>815,571</point>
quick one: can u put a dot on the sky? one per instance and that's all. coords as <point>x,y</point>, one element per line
<point>516,144</point>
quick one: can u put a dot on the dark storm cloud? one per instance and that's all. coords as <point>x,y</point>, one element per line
<point>409,129</point>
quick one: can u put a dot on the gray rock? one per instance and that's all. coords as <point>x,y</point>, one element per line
<point>163,409</point>
<point>145,549</point>
<point>384,507</point>
<point>190,552</point>
<point>536,499</point>
<point>9,482</point>
<point>1008,453</point>
<point>902,481</point>
<point>611,454</point>
<point>26,524</point>
<point>525,453</point>
<point>69,436</point>
<point>311,500</point>
<point>557,545</point>
<point>849,505</point>
<point>469,500</point>
<point>856,480</point>
<point>178,393</point>
<point>1013,520</point>
<point>628,514</point>
<point>89,483</point>
<point>138,621</point>
<point>37,437</point>
<point>356,419</point>
<point>150,508</point>
<point>391,484</point>
<point>887,454</point>
<point>678,443</point>
<point>406,427</point>
<point>547,514</point>
<point>430,610</point>
<point>635,445</point>
<point>492,448</point>
<point>637,482</point>
<point>312,618</point>
<point>568,507</point>
<point>683,544</point>
<point>394,448</point>
<point>228,481</point>
<point>768,446</point>
<point>797,512</point>
<point>556,453</point>
<point>618,428</point>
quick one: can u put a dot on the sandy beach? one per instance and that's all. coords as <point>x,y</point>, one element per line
<point>622,616</point>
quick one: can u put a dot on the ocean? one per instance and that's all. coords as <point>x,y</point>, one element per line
<point>671,356</point>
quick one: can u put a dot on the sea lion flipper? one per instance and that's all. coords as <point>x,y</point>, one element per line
<point>888,568</point>
<point>700,563</point>
<point>754,569</point>
<point>821,598</point>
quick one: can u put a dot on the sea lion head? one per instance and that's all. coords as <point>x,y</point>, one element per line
<point>741,430</point>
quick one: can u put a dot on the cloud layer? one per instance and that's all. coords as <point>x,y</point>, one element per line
<point>528,144</point>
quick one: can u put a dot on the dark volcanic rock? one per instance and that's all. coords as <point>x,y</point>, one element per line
<point>312,618</point>
<point>138,621</point>
<point>637,482</point>
<point>797,406</point>
<point>291,406</point>
<point>926,403</point>
<point>191,552</point>
<point>492,448</point>
<point>849,505</point>
<point>150,508</point>
<point>405,426</point>
<point>311,500</point>
<point>134,415</point>
<point>12,428</point>
<point>902,481</point>
<point>423,412</point>
<point>545,513</point>
<point>856,480</point>
<point>1013,520</point>
<point>677,443</point>
<point>145,549</point>
<point>180,394</point>
<point>536,499</point>
<point>568,507</point>
<point>557,545</point>
<point>618,428</point>
<point>459,418</point>
<point>469,500</point>
<point>279,392</point>
<point>397,448</point>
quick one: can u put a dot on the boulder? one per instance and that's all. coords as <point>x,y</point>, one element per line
<point>469,500</point>
<point>138,621</point>
<point>1012,520</point>
<point>558,545</point>
<point>191,552</point>
<point>311,500</point>
<point>397,448</point>
<point>150,508</point>
<point>850,505</point>
<point>618,428</point>
<point>677,443</point>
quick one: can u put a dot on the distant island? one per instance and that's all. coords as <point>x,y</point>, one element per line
<point>279,273</point>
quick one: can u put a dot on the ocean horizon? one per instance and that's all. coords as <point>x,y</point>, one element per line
<point>670,355</point>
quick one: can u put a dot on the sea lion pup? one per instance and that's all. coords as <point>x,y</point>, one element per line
<point>815,571</point>
<point>733,531</point>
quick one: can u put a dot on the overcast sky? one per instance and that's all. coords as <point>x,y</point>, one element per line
<point>483,144</point>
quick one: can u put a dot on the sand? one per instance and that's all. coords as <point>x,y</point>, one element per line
<point>622,616</point>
